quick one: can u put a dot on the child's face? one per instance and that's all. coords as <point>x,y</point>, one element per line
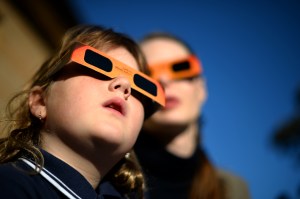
<point>184,98</point>
<point>86,111</point>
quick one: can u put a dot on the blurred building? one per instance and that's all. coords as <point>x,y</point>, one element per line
<point>29,31</point>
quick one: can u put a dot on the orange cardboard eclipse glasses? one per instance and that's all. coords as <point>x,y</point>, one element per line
<point>180,69</point>
<point>110,67</point>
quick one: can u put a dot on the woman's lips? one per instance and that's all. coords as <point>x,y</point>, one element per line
<point>171,102</point>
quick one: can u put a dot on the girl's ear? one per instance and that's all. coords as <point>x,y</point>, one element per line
<point>36,102</point>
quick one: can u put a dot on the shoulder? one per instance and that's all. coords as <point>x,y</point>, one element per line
<point>107,190</point>
<point>236,187</point>
<point>16,183</point>
<point>10,173</point>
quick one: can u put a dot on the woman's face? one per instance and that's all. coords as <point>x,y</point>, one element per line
<point>87,112</point>
<point>184,98</point>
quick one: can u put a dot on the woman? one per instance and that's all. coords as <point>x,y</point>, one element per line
<point>169,146</point>
<point>70,133</point>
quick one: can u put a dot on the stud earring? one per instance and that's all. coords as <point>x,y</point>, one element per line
<point>127,155</point>
<point>40,116</point>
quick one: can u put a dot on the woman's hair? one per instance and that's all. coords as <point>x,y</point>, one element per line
<point>168,36</point>
<point>22,129</point>
<point>206,183</point>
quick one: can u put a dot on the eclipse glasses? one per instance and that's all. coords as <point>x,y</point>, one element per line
<point>102,63</point>
<point>180,69</point>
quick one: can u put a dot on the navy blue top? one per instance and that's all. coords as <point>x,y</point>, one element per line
<point>167,176</point>
<point>56,180</point>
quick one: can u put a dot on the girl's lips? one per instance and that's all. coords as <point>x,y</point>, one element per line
<point>171,102</point>
<point>116,105</point>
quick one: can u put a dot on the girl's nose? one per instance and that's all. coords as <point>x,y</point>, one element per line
<point>121,84</point>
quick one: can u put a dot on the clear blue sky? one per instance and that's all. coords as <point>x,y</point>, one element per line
<point>251,56</point>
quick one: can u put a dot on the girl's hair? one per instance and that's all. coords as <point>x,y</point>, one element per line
<point>22,129</point>
<point>206,183</point>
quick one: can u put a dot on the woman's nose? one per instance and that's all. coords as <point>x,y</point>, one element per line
<point>121,84</point>
<point>164,81</point>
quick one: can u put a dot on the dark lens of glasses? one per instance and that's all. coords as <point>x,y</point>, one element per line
<point>181,66</point>
<point>145,84</point>
<point>97,60</point>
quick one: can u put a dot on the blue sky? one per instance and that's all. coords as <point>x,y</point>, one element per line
<point>250,51</point>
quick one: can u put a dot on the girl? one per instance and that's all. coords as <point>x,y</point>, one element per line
<point>70,134</point>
